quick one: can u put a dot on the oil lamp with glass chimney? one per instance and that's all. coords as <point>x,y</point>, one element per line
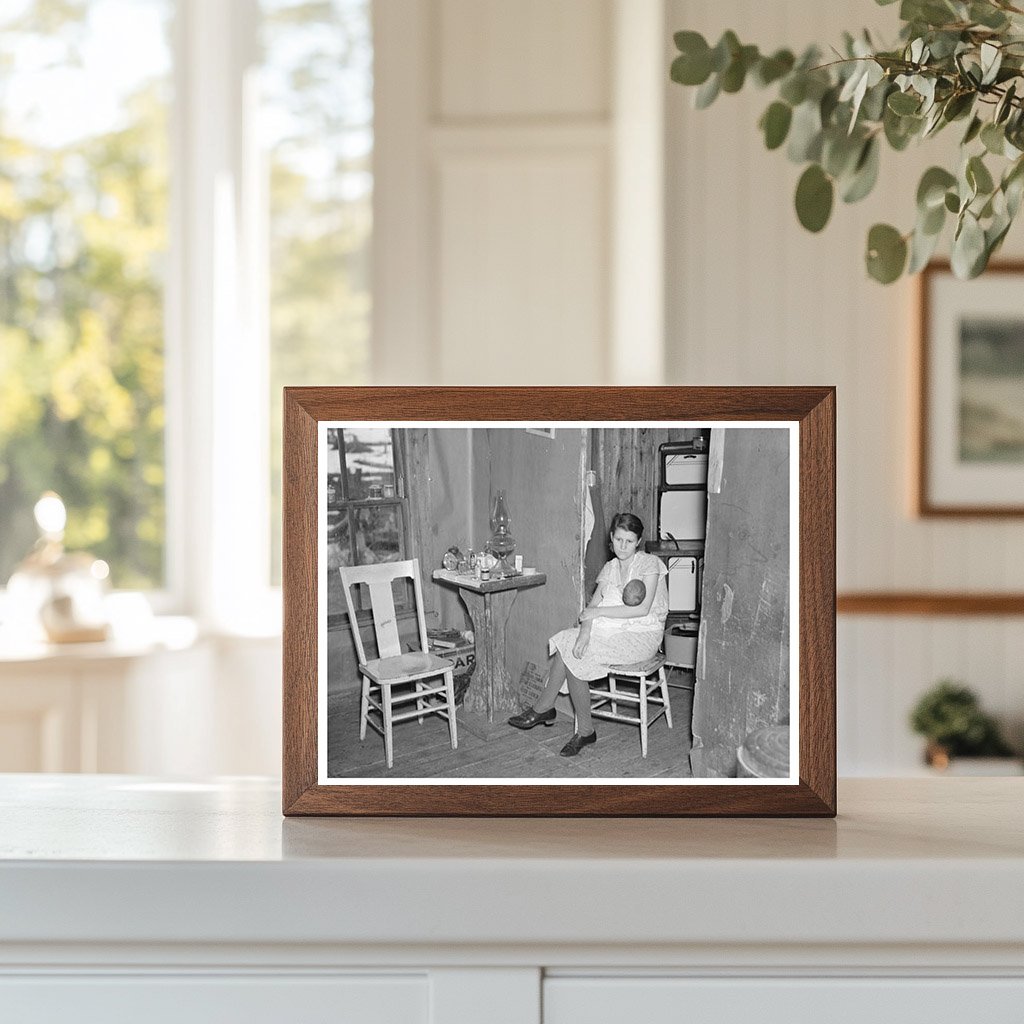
<point>501,543</point>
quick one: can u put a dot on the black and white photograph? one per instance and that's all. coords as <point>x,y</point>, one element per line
<point>557,601</point>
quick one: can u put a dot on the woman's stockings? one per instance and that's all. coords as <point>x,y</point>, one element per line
<point>579,694</point>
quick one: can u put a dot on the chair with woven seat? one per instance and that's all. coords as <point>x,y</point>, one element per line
<point>395,677</point>
<point>646,691</point>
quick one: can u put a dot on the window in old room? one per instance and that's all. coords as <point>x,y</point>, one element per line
<point>367,512</point>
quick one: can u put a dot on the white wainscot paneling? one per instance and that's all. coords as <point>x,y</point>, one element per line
<point>531,58</point>
<point>887,663</point>
<point>523,257</point>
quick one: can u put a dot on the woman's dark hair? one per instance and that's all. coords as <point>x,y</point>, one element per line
<point>627,521</point>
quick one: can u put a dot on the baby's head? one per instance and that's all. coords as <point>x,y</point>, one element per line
<point>633,593</point>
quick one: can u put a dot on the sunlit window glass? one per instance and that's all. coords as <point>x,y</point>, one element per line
<point>84,100</point>
<point>317,123</point>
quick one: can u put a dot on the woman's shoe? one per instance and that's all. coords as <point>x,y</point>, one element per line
<point>577,743</point>
<point>529,718</point>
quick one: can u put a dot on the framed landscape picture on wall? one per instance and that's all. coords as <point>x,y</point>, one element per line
<point>559,601</point>
<point>970,445</point>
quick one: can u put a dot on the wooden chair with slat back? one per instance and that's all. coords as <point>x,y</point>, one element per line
<point>393,677</point>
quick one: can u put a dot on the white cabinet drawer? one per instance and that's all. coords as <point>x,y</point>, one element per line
<point>205,999</point>
<point>661,1000</point>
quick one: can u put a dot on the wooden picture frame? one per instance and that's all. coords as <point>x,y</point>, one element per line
<point>969,448</point>
<point>807,413</point>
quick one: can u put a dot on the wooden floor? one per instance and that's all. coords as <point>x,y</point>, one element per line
<point>424,751</point>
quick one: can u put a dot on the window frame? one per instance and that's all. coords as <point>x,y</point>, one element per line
<point>404,606</point>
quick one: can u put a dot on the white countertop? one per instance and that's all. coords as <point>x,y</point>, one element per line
<point>122,859</point>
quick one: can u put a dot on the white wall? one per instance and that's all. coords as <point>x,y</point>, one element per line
<point>500,143</point>
<point>754,299</point>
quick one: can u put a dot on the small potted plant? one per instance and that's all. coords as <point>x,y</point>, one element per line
<point>950,717</point>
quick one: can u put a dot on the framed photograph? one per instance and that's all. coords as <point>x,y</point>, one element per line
<point>636,618</point>
<point>970,445</point>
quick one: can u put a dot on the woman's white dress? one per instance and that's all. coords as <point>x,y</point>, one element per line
<point>618,641</point>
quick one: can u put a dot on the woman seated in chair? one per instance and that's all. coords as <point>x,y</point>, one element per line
<point>613,630</point>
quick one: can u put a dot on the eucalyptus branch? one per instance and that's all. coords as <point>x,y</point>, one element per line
<point>833,117</point>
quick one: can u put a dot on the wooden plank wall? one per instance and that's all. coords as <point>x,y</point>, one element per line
<point>743,667</point>
<point>626,460</point>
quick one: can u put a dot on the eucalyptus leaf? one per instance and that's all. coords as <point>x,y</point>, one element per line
<point>1005,105</point>
<point>724,51</point>
<point>978,176</point>
<point>900,130</point>
<point>840,152</point>
<point>707,93</point>
<point>958,105</point>
<point>814,194</point>
<point>987,15</point>
<point>931,190</point>
<point>1013,187</point>
<point>688,41</point>
<point>944,44</point>
<point>865,173</point>
<point>828,104</point>
<point>735,74</point>
<point>873,106</point>
<point>886,253</point>
<point>771,69</point>
<point>794,88</point>
<point>968,247</point>
<point>904,103</point>
<point>932,221</point>
<point>931,12</point>
<point>775,124</point>
<point>991,60</point>
<point>1013,191</point>
<point>857,77</point>
<point>922,248</point>
<point>973,129</point>
<point>933,122</point>
<point>925,88</point>
<point>805,133</point>
<point>952,202</point>
<point>966,187</point>
<point>993,138</point>
<point>995,233</point>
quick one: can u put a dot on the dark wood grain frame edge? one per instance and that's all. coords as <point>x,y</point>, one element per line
<point>299,595</point>
<point>814,796</point>
<point>817,614</point>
